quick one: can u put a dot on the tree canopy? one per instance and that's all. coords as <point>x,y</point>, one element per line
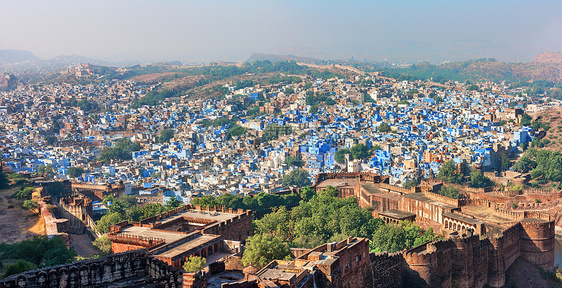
<point>340,155</point>
<point>297,177</point>
<point>478,180</point>
<point>450,192</point>
<point>75,172</point>
<point>125,208</point>
<point>541,163</point>
<point>40,251</point>
<point>194,264</point>
<point>263,248</point>
<point>165,135</point>
<point>326,218</point>
<point>383,127</point>
<point>449,174</point>
<point>120,151</point>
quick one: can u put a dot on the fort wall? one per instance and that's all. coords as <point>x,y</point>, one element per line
<point>101,273</point>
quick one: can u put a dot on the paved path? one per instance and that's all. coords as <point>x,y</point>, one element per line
<point>83,245</point>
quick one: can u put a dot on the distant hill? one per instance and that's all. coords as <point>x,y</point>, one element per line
<point>30,68</point>
<point>545,67</point>
<point>15,56</point>
<point>278,58</point>
<point>549,57</point>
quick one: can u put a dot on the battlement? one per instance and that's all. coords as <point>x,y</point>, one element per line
<point>445,199</point>
<point>135,265</point>
<point>137,240</point>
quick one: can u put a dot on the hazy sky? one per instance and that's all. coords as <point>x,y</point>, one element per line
<point>398,30</point>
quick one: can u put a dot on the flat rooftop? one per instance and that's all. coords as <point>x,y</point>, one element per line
<point>533,220</point>
<point>338,183</point>
<point>421,197</point>
<point>462,218</point>
<point>397,214</point>
<point>168,236</point>
<point>191,244</point>
<point>374,190</point>
<point>198,214</point>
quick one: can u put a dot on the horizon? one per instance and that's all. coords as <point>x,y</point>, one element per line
<point>399,32</point>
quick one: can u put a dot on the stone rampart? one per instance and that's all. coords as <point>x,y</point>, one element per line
<point>101,272</point>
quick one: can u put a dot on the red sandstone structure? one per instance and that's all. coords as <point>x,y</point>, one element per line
<point>187,230</point>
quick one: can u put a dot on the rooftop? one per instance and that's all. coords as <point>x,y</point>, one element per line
<point>421,197</point>
<point>168,236</point>
<point>397,214</point>
<point>183,248</point>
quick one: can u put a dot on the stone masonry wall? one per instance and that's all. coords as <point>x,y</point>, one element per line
<point>134,265</point>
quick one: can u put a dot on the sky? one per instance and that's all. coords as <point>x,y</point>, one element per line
<point>398,31</point>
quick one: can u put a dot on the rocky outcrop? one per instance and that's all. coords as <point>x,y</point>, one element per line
<point>8,81</point>
<point>549,57</point>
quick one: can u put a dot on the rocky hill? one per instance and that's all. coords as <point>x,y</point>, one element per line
<point>277,58</point>
<point>547,66</point>
<point>8,81</point>
<point>549,57</point>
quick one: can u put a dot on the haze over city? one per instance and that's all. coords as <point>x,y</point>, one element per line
<point>399,31</point>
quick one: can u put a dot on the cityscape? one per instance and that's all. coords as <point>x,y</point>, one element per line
<point>279,170</point>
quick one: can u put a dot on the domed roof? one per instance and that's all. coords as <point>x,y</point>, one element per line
<point>250,270</point>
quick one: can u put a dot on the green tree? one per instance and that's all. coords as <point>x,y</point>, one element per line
<point>18,267</point>
<point>448,173</point>
<point>340,155</point>
<point>165,135</point>
<point>297,177</point>
<point>264,248</point>
<point>383,128</point>
<point>307,193</point>
<point>526,119</point>
<point>410,183</point>
<point>359,151</point>
<point>39,250</point>
<point>29,205</point>
<point>173,203</point>
<point>194,264</point>
<point>4,181</point>
<point>50,139</point>
<point>103,225</point>
<point>478,180</point>
<point>205,201</point>
<point>450,192</point>
<point>505,162</point>
<point>46,170</point>
<point>236,130</point>
<point>525,164</point>
<point>75,172</point>
<point>293,161</point>
<point>393,238</point>
<point>313,109</point>
<point>24,193</point>
<point>122,150</point>
<point>329,101</point>
<point>103,244</point>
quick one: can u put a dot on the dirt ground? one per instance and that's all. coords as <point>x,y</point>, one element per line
<point>83,245</point>
<point>17,224</point>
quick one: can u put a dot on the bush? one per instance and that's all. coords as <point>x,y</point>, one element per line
<point>29,204</point>
<point>194,264</point>
<point>18,267</point>
<point>263,248</point>
<point>104,244</point>
<point>24,193</point>
<point>297,177</point>
<point>450,192</point>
